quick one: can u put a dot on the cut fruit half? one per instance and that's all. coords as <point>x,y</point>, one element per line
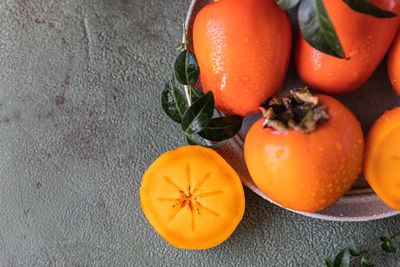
<point>192,197</point>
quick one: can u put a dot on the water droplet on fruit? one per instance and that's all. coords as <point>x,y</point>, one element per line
<point>279,153</point>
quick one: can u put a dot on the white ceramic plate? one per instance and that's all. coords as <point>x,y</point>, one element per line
<point>360,203</point>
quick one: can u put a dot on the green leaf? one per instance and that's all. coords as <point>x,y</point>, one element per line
<point>199,114</point>
<point>222,128</point>
<point>173,101</point>
<point>180,99</point>
<point>317,28</point>
<point>328,262</point>
<point>366,7</point>
<point>186,68</point>
<point>387,242</point>
<point>388,247</point>
<point>195,139</point>
<point>195,93</point>
<point>180,46</point>
<point>354,248</point>
<point>287,4</point>
<point>342,259</point>
<point>385,236</point>
<point>365,263</point>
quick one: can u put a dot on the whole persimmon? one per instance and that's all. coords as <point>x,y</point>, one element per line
<point>306,152</point>
<point>243,50</point>
<point>192,197</point>
<point>365,40</point>
<point>382,158</point>
<point>393,64</point>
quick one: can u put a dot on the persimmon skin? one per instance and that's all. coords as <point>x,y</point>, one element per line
<point>382,158</point>
<point>393,64</point>
<point>243,51</point>
<point>307,171</point>
<point>365,40</point>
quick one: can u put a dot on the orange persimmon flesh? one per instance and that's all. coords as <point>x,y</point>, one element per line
<point>192,197</point>
<point>382,162</point>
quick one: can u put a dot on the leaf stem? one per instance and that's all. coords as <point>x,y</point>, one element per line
<point>190,93</point>
<point>188,89</point>
<point>184,36</point>
<point>372,248</point>
<point>395,235</point>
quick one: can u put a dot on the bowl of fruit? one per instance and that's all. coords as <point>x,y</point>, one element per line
<point>300,101</point>
<point>242,47</point>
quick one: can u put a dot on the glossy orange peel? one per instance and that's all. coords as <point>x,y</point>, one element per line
<point>382,159</point>
<point>307,171</point>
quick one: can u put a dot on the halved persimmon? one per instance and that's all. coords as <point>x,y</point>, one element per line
<point>192,197</point>
<point>382,158</point>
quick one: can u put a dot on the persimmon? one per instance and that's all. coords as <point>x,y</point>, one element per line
<point>243,50</point>
<point>382,158</point>
<point>393,64</point>
<point>192,197</point>
<point>308,154</point>
<point>365,40</point>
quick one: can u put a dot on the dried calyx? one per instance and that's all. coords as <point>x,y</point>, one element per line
<point>299,111</point>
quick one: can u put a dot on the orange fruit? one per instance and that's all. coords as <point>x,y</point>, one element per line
<point>382,158</point>
<point>192,197</point>
<point>307,171</point>
<point>393,64</point>
<point>365,40</point>
<point>243,51</point>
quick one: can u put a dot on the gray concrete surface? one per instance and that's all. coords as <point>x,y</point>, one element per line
<point>80,120</point>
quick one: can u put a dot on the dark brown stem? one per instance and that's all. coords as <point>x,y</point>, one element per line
<point>299,111</point>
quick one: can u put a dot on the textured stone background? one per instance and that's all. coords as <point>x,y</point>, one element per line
<point>80,121</point>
